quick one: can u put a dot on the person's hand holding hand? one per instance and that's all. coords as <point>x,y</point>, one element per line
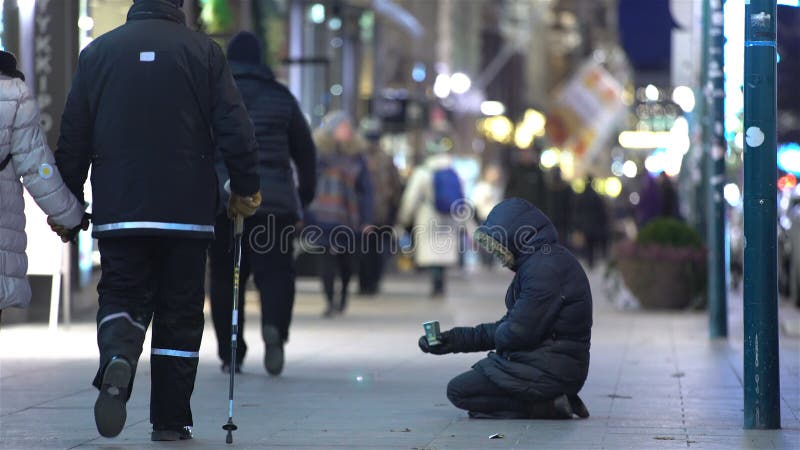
<point>67,234</point>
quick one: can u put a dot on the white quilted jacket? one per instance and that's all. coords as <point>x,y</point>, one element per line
<point>33,162</point>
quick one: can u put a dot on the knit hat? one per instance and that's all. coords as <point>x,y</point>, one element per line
<point>333,119</point>
<point>8,65</point>
<point>245,47</point>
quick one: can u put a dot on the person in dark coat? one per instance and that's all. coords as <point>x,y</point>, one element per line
<point>560,204</point>
<point>525,178</point>
<point>541,346</point>
<point>150,103</point>
<point>591,221</point>
<point>283,137</point>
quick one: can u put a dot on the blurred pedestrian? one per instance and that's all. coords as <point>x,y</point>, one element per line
<point>591,222</point>
<point>486,194</point>
<point>669,197</point>
<point>24,155</point>
<point>432,191</point>
<point>649,206</point>
<point>525,178</point>
<point>540,357</point>
<point>560,204</point>
<point>343,206</point>
<point>283,137</point>
<point>150,102</point>
<point>387,190</point>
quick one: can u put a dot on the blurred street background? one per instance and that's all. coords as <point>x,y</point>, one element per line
<point>622,120</point>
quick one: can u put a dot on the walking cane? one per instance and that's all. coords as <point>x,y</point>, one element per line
<point>238,231</point>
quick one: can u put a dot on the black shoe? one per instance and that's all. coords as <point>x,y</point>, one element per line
<point>578,407</point>
<point>171,434</point>
<point>273,353</point>
<point>330,311</point>
<point>109,409</point>
<point>556,409</point>
<point>226,368</point>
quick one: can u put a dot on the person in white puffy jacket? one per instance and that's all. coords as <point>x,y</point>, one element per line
<point>25,160</point>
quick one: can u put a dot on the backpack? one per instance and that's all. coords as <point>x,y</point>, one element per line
<point>336,199</point>
<point>446,189</point>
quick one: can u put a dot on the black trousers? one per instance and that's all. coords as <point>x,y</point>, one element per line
<point>267,254</point>
<point>438,280</point>
<point>372,261</point>
<point>332,263</point>
<point>156,278</point>
<point>474,392</point>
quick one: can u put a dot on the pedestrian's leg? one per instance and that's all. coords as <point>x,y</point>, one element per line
<point>474,392</point>
<point>327,272</point>
<point>346,270</point>
<point>221,276</point>
<point>437,279</point>
<point>273,270</point>
<point>177,330</point>
<point>125,309</point>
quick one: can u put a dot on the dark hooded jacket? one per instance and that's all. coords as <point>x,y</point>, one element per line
<point>150,104</point>
<point>542,343</point>
<point>282,133</point>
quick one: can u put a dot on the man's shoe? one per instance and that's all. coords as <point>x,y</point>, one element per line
<point>226,368</point>
<point>273,353</point>
<point>578,407</point>
<point>171,434</point>
<point>556,409</point>
<point>109,409</point>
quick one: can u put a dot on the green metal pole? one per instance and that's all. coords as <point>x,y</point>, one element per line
<point>761,375</point>
<point>716,148</point>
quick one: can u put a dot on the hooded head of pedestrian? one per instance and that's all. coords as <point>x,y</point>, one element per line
<point>8,65</point>
<point>245,47</point>
<point>515,230</point>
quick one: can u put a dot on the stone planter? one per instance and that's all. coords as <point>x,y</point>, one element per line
<point>662,277</point>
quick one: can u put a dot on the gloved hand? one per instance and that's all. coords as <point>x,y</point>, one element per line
<point>67,234</point>
<point>243,206</point>
<point>444,348</point>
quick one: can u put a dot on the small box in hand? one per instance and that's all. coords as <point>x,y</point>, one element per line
<point>432,334</point>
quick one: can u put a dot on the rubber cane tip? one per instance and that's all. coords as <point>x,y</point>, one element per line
<point>229,438</point>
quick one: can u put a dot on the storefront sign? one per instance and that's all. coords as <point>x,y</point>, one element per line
<point>55,55</point>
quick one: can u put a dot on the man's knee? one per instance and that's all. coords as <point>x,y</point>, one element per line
<point>455,391</point>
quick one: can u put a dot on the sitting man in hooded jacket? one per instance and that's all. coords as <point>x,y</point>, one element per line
<point>541,346</point>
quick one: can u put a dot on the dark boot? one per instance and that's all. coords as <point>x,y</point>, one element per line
<point>273,355</point>
<point>170,434</point>
<point>109,409</point>
<point>577,406</point>
<point>556,409</point>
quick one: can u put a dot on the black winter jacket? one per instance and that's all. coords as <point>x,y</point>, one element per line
<point>283,136</point>
<point>149,103</point>
<point>542,343</point>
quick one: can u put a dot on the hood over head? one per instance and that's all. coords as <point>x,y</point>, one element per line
<point>8,65</point>
<point>514,230</point>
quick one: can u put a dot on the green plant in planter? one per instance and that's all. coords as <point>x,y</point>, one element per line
<point>669,232</point>
<point>665,267</point>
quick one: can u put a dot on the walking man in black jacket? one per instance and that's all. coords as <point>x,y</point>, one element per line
<point>283,137</point>
<point>541,346</point>
<point>150,103</point>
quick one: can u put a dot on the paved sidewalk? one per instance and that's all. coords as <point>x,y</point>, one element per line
<point>359,382</point>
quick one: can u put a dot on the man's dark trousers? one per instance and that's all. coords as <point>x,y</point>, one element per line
<point>267,254</point>
<point>476,393</point>
<point>158,278</point>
